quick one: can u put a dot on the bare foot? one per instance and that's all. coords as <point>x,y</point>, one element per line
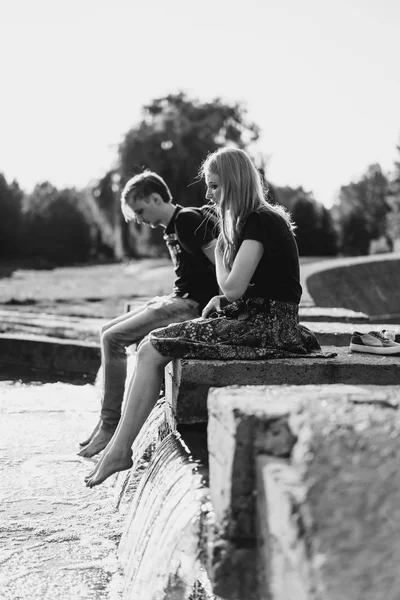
<point>111,463</point>
<point>90,475</point>
<point>98,442</point>
<point>91,436</point>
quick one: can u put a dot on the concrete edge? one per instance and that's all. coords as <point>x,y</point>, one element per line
<point>40,355</point>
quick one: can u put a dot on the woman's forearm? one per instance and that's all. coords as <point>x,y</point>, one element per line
<point>221,271</point>
<point>234,282</point>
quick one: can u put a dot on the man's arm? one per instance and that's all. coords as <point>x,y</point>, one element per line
<point>209,251</point>
<point>196,233</point>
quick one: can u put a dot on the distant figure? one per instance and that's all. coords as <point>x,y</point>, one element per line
<point>257,267</point>
<point>190,237</point>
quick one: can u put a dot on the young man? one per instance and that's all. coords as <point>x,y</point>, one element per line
<point>190,237</point>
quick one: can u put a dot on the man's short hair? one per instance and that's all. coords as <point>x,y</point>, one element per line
<point>141,186</point>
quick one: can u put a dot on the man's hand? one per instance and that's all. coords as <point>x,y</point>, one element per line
<point>214,305</point>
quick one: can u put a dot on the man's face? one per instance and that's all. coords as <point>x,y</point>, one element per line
<point>147,211</point>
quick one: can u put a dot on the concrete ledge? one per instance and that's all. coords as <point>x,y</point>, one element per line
<point>52,355</point>
<point>340,315</point>
<point>339,334</point>
<point>306,479</point>
<point>188,381</point>
<point>48,325</point>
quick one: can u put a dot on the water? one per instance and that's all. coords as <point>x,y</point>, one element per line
<point>159,424</point>
<point>160,546</point>
<point>166,494</point>
<point>59,539</point>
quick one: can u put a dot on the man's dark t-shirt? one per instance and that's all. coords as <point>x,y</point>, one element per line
<point>277,276</point>
<point>187,232</point>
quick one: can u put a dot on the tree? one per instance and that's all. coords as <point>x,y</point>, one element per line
<point>288,196</point>
<point>327,234</point>
<point>355,234</point>
<point>315,233</point>
<point>393,216</point>
<point>11,198</point>
<point>363,204</point>
<point>58,225</point>
<point>173,137</point>
<point>106,197</point>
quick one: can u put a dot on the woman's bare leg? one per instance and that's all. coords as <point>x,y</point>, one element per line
<point>93,471</point>
<point>142,397</point>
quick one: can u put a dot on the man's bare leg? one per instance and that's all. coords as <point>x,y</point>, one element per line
<point>91,436</point>
<point>143,395</point>
<point>102,436</point>
<point>99,441</point>
<point>90,451</point>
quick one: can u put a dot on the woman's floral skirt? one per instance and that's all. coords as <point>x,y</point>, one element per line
<point>249,329</point>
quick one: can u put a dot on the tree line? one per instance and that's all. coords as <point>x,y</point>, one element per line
<point>174,134</point>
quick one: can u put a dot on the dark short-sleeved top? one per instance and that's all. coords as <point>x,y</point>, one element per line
<point>277,276</point>
<point>185,235</point>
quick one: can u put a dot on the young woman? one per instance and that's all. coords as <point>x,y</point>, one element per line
<point>257,266</point>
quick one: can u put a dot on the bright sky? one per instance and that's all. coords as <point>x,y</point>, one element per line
<point>321,78</point>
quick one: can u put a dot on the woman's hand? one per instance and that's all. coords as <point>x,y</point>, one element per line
<point>214,305</point>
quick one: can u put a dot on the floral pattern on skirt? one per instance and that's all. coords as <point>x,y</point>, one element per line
<point>249,329</point>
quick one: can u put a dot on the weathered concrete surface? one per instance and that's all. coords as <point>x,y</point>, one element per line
<point>337,315</point>
<point>188,381</point>
<point>339,334</point>
<point>368,284</point>
<point>324,461</point>
<point>50,355</point>
<point>59,326</point>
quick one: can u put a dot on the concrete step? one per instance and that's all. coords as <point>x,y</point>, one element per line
<point>341,315</point>
<point>339,334</point>
<point>188,381</point>
<point>23,354</point>
<point>56,326</point>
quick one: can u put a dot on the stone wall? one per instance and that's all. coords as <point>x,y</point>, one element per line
<point>188,380</point>
<point>305,488</point>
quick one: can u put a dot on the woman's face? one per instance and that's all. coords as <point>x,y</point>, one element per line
<point>213,184</point>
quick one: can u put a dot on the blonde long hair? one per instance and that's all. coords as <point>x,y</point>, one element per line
<point>242,192</point>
